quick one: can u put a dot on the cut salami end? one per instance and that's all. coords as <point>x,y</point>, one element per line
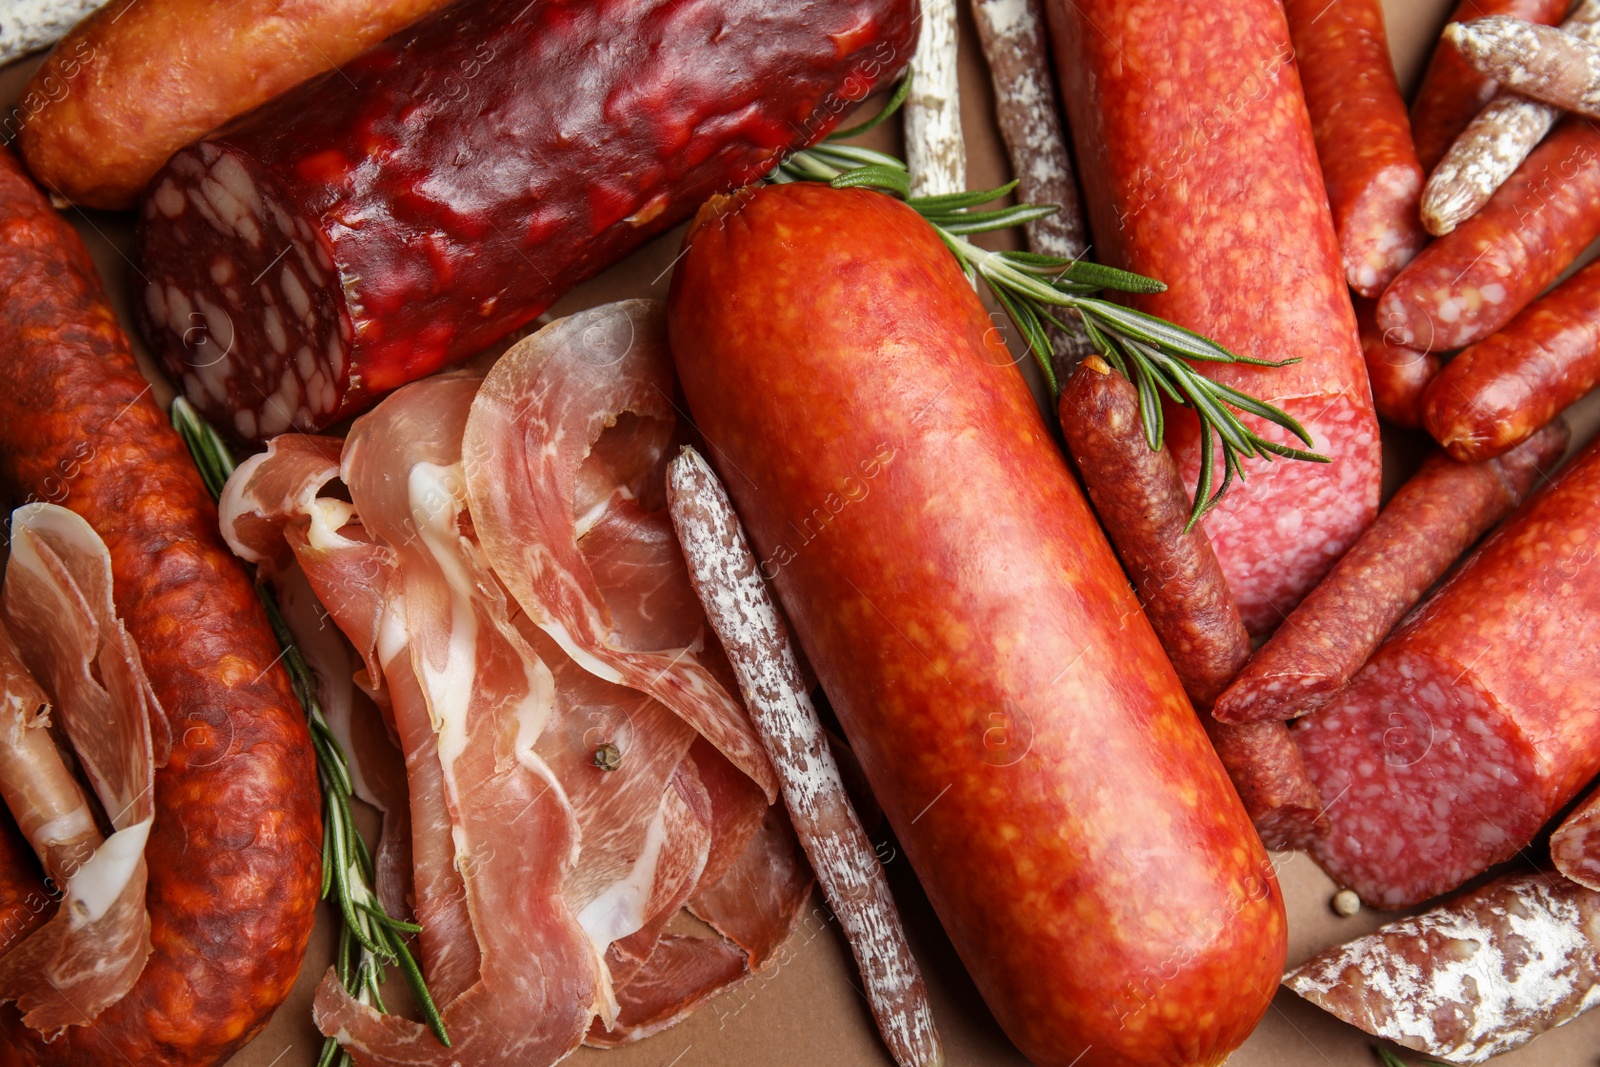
<point>246,307</point>
<point>1428,781</point>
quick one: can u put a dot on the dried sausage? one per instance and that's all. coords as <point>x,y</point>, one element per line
<point>234,854</point>
<point>345,239</point>
<point>1363,136</point>
<point>1398,374</point>
<point>947,580</point>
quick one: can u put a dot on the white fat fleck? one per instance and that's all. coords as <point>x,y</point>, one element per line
<point>155,300</point>
<point>619,909</point>
<point>96,885</point>
<point>272,325</point>
<point>222,270</point>
<point>305,363</point>
<point>169,199</point>
<point>245,422</point>
<point>299,300</point>
<point>178,310</point>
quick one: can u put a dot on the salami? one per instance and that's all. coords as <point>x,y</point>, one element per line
<point>347,238</point>
<point>1430,522</point>
<point>33,24</point>
<point>1476,976</point>
<point>1363,136</point>
<point>1139,497</point>
<point>234,850</point>
<point>1502,389</point>
<point>1575,846</point>
<point>135,82</point>
<point>1210,172</point>
<point>1548,64</point>
<point>1479,717</point>
<point>1467,285</point>
<point>1096,873</point>
<point>1452,93</point>
<point>1398,374</point>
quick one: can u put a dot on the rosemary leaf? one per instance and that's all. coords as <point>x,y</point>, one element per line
<point>931,205</point>
<point>1098,276</point>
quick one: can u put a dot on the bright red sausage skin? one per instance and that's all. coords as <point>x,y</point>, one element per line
<point>446,186</point>
<point>1010,704</point>
<point>1199,169</point>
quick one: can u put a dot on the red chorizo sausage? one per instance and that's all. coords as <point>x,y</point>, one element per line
<point>1479,717</point>
<point>950,585</point>
<point>1363,136</point>
<point>1501,390</point>
<point>1472,281</point>
<point>447,186</point>
<point>133,83</point>
<point>24,903</point>
<point>1139,497</point>
<point>1452,93</point>
<point>235,851</point>
<point>1430,522</point>
<point>1398,374</point>
<point>1198,165</point>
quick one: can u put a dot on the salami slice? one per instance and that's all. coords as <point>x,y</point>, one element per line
<point>1210,172</point>
<point>446,186</point>
<point>1575,846</point>
<point>1474,977</point>
<point>1479,718</point>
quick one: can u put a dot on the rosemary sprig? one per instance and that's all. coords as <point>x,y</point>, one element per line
<point>1391,1060</point>
<point>1036,289</point>
<point>369,938</point>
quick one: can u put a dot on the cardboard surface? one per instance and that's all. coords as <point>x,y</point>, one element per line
<point>808,1008</point>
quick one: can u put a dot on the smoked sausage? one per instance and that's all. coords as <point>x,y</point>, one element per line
<point>1452,93</point>
<point>1209,172</point>
<point>345,239</point>
<point>947,580</point>
<point>1398,374</point>
<point>133,83</point>
<point>1139,497</point>
<point>234,854</point>
<point>1502,389</point>
<point>1475,279</point>
<point>1479,718</point>
<point>1363,136</point>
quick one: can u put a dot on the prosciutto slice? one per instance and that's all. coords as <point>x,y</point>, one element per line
<point>565,459</point>
<point>57,603</point>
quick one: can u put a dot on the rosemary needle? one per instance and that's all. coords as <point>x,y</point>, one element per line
<point>369,938</point>
<point>1034,290</point>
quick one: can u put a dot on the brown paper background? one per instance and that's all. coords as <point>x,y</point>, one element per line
<point>808,1009</point>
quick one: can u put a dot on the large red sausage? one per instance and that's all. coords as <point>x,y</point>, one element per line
<point>1499,392</point>
<point>1476,278</point>
<point>1363,136</point>
<point>1452,93</point>
<point>1479,718</point>
<point>449,184</point>
<point>1199,169</point>
<point>950,585</point>
<point>234,854</point>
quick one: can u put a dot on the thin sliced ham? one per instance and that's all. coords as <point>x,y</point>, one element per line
<point>57,603</point>
<point>565,459</point>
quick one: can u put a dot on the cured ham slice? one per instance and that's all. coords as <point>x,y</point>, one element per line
<point>57,602</point>
<point>565,458</point>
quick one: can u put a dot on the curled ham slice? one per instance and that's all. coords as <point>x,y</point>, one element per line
<point>565,461</point>
<point>57,603</point>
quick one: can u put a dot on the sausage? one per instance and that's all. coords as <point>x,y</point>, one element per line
<point>1139,497</point>
<point>1575,846</point>
<point>1430,522</point>
<point>1479,718</point>
<point>1398,374</point>
<point>235,852</point>
<point>1542,62</point>
<point>926,539</point>
<point>746,620</point>
<point>1478,975</point>
<point>24,903</point>
<point>1363,136</point>
<point>133,83</point>
<point>335,243</point>
<point>1452,93</point>
<point>1502,389</point>
<point>1468,284</point>
<point>1210,172</point>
